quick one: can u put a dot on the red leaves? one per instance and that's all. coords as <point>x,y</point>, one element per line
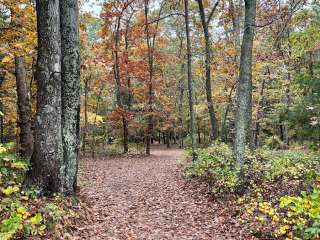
<point>120,113</point>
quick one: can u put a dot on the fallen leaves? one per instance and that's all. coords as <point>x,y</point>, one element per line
<point>138,197</point>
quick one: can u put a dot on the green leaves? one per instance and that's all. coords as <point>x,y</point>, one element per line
<point>304,213</point>
<point>36,219</point>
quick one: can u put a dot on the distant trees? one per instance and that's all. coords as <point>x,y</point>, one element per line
<point>138,58</point>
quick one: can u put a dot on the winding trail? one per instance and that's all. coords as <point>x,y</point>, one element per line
<point>136,197</point>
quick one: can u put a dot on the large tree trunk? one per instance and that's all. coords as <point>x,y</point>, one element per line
<point>190,82</point>
<point>24,110</point>
<point>47,160</point>
<point>244,91</point>
<point>70,48</point>
<point>208,56</point>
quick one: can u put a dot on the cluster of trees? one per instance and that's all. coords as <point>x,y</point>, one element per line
<point>184,71</point>
<point>187,72</point>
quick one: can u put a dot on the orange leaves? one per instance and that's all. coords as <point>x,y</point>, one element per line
<point>117,116</point>
<point>20,32</point>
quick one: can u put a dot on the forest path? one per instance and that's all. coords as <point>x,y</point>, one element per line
<point>133,197</point>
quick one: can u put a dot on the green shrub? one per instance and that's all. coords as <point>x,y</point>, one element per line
<point>271,177</point>
<point>18,217</point>
<point>303,214</point>
<point>274,142</point>
<point>215,165</point>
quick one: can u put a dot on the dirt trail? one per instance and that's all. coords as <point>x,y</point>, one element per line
<point>148,198</point>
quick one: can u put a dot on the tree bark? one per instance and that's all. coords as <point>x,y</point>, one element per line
<point>1,110</point>
<point>1,124</point>
<point>181,96</point>
<point>244,91</point>
<point>86,124</point>
<point>117,77</point>
<point>224,136</point>
<point>25,147</point>
<point>70,48</point>
<point>208,57</point>
<point>259,113</point>
<point>190,82</point>
<point>150,80</point>
<point>168,138</point>
<point>48,167</point>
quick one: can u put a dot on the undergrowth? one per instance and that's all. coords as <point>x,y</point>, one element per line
<point>22,212</point>
<point>281,197</point>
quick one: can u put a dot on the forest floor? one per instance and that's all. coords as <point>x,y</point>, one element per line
<point>140,197</point>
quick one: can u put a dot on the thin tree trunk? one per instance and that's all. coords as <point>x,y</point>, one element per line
<point>190,82</point>
<point>1,111</point>
<point>1,123</point>
<point>208,57</point>
<point>181,96</point>
<point>259,113</point>
<point>125,135</point>
<point>235,18</point>
<point>224,123</point>
<point>199,132</point>
<point>244,91</point>
<point>150,81</point>
<point>287,101</point>
<point>168,138</point>
<point>117,76</point>
<point>164,138</point>
<point>129,90</point>
<point>86,125</point>
<point>25,146</point>
<point>93,141</point>
<point>48,167</point>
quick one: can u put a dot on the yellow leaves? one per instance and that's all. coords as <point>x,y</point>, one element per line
<point>94,118</point>
<point>10,190</point>
<point>275,219</point>
<point>20,33</point>
<point>36,219</point>
<point>283,230</point>
<point>24,212</point>
<point>6,59</point>
<point>205,3</point>
<point>3,149</point>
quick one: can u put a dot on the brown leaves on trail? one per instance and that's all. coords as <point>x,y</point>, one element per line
<point>136,197</point>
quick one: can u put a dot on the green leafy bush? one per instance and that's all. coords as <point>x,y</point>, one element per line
<point>303,213</point>
<point>215,165</point>
<point>271,177</point>
<point>22,212</point>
